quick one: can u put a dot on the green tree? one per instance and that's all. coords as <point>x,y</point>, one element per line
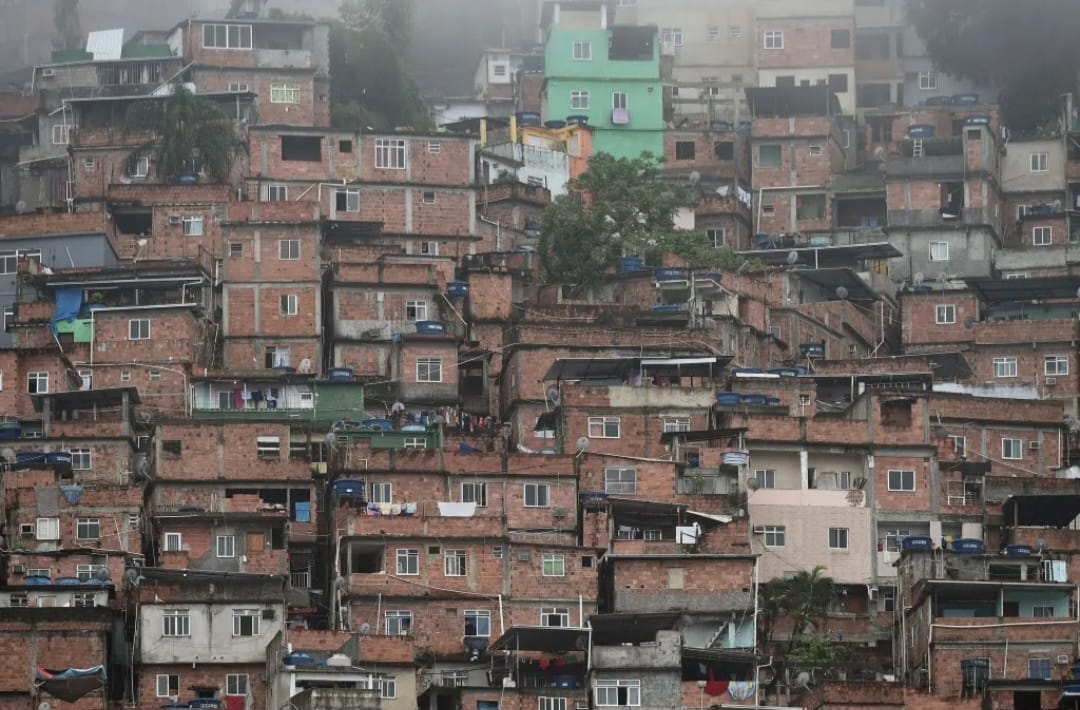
<point>393,18</point>
<point>184,133</point>
<point>1027,49</point>
<point>802,598</point>
<point>67,25</point>
<point>618,207</point>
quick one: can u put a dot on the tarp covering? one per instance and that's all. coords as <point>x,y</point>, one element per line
<point>68,304</point>
<point>70,684</point>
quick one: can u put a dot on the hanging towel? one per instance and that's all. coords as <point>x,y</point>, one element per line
<point>385,508</point>
<point>741,689</point>
<point>457,510</point>
<point>715,687</point>
<point>395,509</point>
<point>408,508</point>
<point>238,398</point>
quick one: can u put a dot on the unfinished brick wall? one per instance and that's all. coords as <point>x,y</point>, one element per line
<point>807,42</point>
<point>203,676</point>
<point>218,451</point>
<point>58,639</point>
<point>439,159</point>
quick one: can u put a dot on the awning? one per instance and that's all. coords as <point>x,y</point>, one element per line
<point>553,639</point>
<point>590,369</point>
<point>1052,287</point>
<point>725,519</point>
<point>614,629</point>
<point>679,361</point>
<point>722,654</point>
<point>831,279</point>
<point>1048,511</point>
<point>70,684</point>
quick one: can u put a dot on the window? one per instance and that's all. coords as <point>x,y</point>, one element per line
<point>174,542</point>
<point>675,424</point>
<point>1056,365</point>
<point>345,146</point>
<point>928,80</point>
<point>712,34</point>
<point>619,100</point>
<point>735,32</point>
<point>139,329</point>
<point>434,147</point>
<point>414,442</point>
<point>959,444</point>
<point>175,622</point>
<point>237,87</point>
<point>48,529</point>
<point>347,200</point>
<point>408,561</point>
<point>138,166</point>
<point>227,36</point>
<point>85,573</point>
<point>583,51</point>
<point>381,492</point>
<point>398,623</point>
<point>816,150</point>
<point>226,546</point>
<point>774,39</point>
<point>1039,162</point>
<point>498,70</point>
<point>551,703</point>
<point>769,156</point>
<point>20,600</point>
<point>945,314</point>
<point>388,688</point>
<point>61,134</point>
<point>1012,449</point>
<point>625,693</point>
<point>88,529</point>
<point>555,616</point>
<point>888,599</point>
<point>901,480</point>
<point>390,153</point>
<point>685,150</point>
<point>717,237</point>
<point>1005,367</point>
<point>775,535</point>
<point>841,39</point>
<point>604,427</point>
<point>838,538</point>
<point>429,369</point>
<point>288,304</point>
<point>236,684</point>
<point>895,538</point>
<point>1042,236</point>
<point>154,375</point>
<point>81,459</point>
<point>454,679</point>
<point>428,197</point>
<point>455,563</point>
<point>620,480</point>
<point>537,495</point>
<point>429,248</point>
<point>477,622</point>
<point>672,37</point>
<point>1043,612</point>
<point>288,249</point>
<point>268,447</point>
<point>236,250</point>
<point>193,226</point>
<point>168,685</point>
<point>1040,668</point>
<point>766,477</point>
<point>554,565</point>
<point>939,251</point>
<point>284,94</point>
<point>579,100</point>
<point>307,149</point>
<point>472,492</point>
<point>246,622</point>
<point>416,310</point>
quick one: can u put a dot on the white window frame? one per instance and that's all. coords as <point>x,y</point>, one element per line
<point>582,51</point>
<point>620,480</point>
<point>141,167</point>
<point>225,546</point>
<point>1042,236</point>
<point>605,427</point>
<point>550,703</point>
<point>606,692</point>
<point>672,37</point>
<point>37,382</point>
<point>717,237</point>
<point>268,447</point>
<point>478,615</point>
<point>238,44</point>
<point>175,623</point>
<point>352,200</point>
<point>434,147</point>
<point>928,81</point>
<point>169,685</point>
<point>945,314</point>
<point>393,622</point>
<point>1043,662</point>
<point>1012,445</point>
<point>88,528</point>
<point>1038,162</point>
<point>237,684</point>
<point>390,153</point>
<point>239,87</point>
<point>1056,365</point>
<point>579,100</point>
<point>82,459</point>
<point>839,538</point>
<point>1005,367</point>
<point>381,492</point>
<point>139,329</point>
<point>416,311</point>
<point>939,251</point>
<point>414,442</point>
<point>773,39</point>
<point>289,304</point>
<point>388,687</point>
<point>553,564</point>
<point>477,493</point>
<point>775,536</point>
<point>47,529</point>
<point>277,193</point>
<point>675,424</point>
<point>240,616</point>
<point>193,225</point>
<point>455,563</point>
<point>429,369</point>
<point>87,572</point>
<point>285,94</point>
<point>429,248</point>
<point>959,444</point>
<point>125,375</point>
<point>620,100</point>
<point>900,484</point>
<point>61,134</point>
<point>537,491</point>
<point>173,542</point>
<point>766,477</point>
<point>562,612</point>
<point>407,558</point>
<point>288,249</point>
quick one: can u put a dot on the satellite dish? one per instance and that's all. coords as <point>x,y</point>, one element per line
<point>802,680</point>
<point>879,153</point>
<point>305,366</point>
<point>752,483</point>
<point>582,444</point>
<point>365,629</point>
<point>553,395</point>
<point>841,292</point>
<point>918,278</point>
<point>102,575</point>
<point>329,438</point>
<point>44,706</point>
<point>943,279</point>
<point>695,177</point>
<point>20,206</point>
<point>792,257</point>
<point>8,455</point>
<point>969,322</point>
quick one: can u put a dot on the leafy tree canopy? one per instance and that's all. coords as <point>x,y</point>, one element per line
<point>66,23</point>
<point>1026,49</point>
<point>802,598</point>
<point>184,133</point>
<point>619,206</point>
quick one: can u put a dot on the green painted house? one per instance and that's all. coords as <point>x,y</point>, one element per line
<point>611,74</point>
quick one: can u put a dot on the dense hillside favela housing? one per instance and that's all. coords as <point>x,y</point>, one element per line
<point>317,435</point>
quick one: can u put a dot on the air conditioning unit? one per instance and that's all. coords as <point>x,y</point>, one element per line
<point>1062,660</point>
<point>558,512</point>
<point>1034,446</point>
<point>269,614</point>
<point>759,530</point>
<point>18,569</point>
<point>48,72</point>
<point>175,219</point>
<point>1050,381</point>
<point>26,529</point>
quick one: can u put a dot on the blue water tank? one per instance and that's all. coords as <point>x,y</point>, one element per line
<point>668,274</point>
<point>528,118</point>
<point>921,130</point>
<point>728,398</point>
<point>554,124</point>
<point>917,542</point>
<point>431,327</point>
<point>299,659</point>
<point>457,289</point>
<point>578,119</point>
<point>967,546</point>
<point>340,374</point>
<point>10,432</point>
<point>377,424</point>
<point>67,581</point>
<point>964,100</point>
<point>58,458</point>
<point>979,119</point>
<point>349,488</point>
<point>37,580</point>
<point>813,349</point>
<point>631,263</point>
<point>755,398</point>
<point>1017,551</point>
<point>772,401</point>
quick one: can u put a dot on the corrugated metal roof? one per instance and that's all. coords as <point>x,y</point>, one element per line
<point>106,45</point>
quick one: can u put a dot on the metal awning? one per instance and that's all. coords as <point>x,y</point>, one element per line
<point>999,290</point>
<point>722,654</point>
<point>622,368</point>
<point>678,361</point>
<point>553,639</point>
<point>1050,511</point>
<point>832,279</point>
<point>825,256</point>
<point>113,397</point>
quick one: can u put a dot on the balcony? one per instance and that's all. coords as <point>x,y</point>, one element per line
<point>426,522</point>
<point>282,397</point>
<point>978,216</point>
<point>664,653</point>
<point>995,628</point>
<point>284,58</point>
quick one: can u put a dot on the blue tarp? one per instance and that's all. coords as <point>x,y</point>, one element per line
<point>68,304</point>
<point>70,684</point>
